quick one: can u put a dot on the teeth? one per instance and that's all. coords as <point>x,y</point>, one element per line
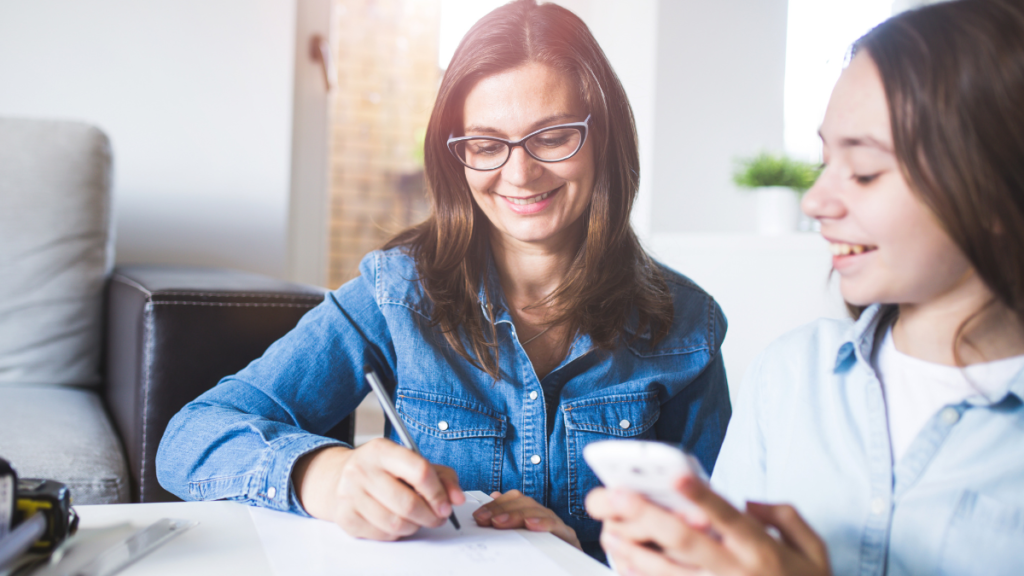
<point>528,201</point>
<point>843,249</point>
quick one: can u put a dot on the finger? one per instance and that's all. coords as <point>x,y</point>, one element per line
<point>506,520</point>
<point>450,479</point>
<point>541,523</point>
<point>631,558</point>
<point>520,503</point>
<point>400,499</point>
<point>483,514</point>
<point>373,521</point>
<point>599,504</point>
<point>510,510</point>
<point>553,524</point>
<point>356,526</point>
<point>417,472</point>
<point>723,517</point>
<point>794,529</point>
<point>677,540</point>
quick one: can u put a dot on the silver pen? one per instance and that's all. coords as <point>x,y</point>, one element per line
<point>396,421</point>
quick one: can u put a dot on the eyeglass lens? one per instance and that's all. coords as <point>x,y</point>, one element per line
<point>549,146</point>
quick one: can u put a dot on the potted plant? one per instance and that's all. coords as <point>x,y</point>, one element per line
<point>779,181</point>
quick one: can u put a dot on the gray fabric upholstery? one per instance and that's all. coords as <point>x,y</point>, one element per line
<point>55,256</point>
<point>62,433</point>
<point>55,250</point>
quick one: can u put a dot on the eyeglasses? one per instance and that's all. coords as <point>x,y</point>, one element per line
<point>551,144</point>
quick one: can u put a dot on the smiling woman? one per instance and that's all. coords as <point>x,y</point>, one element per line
<point>520,321</point>
<point>517,71</point>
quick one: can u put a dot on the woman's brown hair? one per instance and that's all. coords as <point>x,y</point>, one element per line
<point>954,79</point>
<point>610,277</point>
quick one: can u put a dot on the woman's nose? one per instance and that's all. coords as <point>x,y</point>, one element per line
<point>521,169</point>
<point>822,200</point>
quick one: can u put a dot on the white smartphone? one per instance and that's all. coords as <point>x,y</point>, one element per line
<point>647,468</point>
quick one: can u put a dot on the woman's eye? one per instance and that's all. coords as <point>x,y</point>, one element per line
<point>485,149</point>
<point>865,179</point>
<point>552,142</point>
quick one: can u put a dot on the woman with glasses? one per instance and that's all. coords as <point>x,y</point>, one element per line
<point>521,321</point>
<point>892,443</point>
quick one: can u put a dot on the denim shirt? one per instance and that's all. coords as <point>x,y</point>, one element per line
<point>811,430</point>
<point>240,440</point>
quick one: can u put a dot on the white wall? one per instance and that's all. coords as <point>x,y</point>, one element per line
<point>766,285</point>
<point>627,32</point>
<point>196,96</point>
<point>720,72</point>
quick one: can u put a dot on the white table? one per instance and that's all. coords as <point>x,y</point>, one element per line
<point>226,542</point>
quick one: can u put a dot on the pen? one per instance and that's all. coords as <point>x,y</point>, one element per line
<point>396,420</point>
<point>374,379</point>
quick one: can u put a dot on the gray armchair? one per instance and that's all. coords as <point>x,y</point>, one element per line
<point>81,342</point>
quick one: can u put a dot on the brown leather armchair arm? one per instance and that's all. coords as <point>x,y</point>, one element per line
<point>173,333</point>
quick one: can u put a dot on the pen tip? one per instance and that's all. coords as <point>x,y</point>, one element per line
<point>455,521</point>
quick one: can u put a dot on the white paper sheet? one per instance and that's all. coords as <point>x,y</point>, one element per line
<point>306,547</point>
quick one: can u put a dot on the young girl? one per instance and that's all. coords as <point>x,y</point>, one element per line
<point>898,438</point>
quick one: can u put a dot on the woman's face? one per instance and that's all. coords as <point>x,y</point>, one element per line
<point>887,246</point>
<point>525,200</point>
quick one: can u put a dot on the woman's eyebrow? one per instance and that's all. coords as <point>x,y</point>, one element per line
<point>552,120</point>
<point>855,141</point>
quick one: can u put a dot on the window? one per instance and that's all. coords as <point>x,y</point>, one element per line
<point>818,39</point>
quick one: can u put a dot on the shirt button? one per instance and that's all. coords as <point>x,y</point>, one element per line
<point>949,415</point>
<point>878,506</point>
<point>271,492</point>
<point>624,424</point>
<point>442,425</point>
<point>533,395</point>
<point>535,459</point>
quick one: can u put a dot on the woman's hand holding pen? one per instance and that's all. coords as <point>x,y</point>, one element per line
<point>513,509</point>
<point>378,491</point>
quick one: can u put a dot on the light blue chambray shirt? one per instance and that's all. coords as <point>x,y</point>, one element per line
<point>810,429</point>
<point>240,439</point>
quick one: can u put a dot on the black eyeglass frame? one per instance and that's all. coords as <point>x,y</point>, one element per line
<point>583,127</point>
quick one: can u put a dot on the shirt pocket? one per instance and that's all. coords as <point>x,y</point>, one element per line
<point>462,434</point>
<point>985,536</point>
<point>621,416</point>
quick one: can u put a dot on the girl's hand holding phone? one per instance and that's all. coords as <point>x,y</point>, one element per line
<point>643,538</point>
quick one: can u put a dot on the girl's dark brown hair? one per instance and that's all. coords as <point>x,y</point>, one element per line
<point>954,78</point>
<point>610,277</point>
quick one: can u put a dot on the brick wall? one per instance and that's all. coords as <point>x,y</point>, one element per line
<point>386,55</point>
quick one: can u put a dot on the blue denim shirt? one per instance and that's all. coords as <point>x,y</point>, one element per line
<point>239,440</point>
<point>811,430</point>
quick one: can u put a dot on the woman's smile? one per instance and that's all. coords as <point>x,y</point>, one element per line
<point>846,254</point>
<point>531,204</point>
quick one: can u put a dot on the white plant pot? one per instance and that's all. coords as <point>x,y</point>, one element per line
<point>778,210</point>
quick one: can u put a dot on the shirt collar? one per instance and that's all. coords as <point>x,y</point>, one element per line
<point>859,341</point>
<point>581,345</point>
<point>490,283</point>
<point>1016,386</point>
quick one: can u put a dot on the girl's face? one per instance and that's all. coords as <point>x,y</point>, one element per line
<point>525,200</point>
<point>887,246</point>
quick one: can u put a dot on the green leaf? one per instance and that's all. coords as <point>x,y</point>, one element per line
<point>767,169</point>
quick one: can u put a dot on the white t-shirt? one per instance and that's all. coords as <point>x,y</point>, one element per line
<point>915,389</point>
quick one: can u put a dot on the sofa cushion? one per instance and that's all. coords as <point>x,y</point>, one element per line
<point>62,433</point>
<point>55,250</point>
